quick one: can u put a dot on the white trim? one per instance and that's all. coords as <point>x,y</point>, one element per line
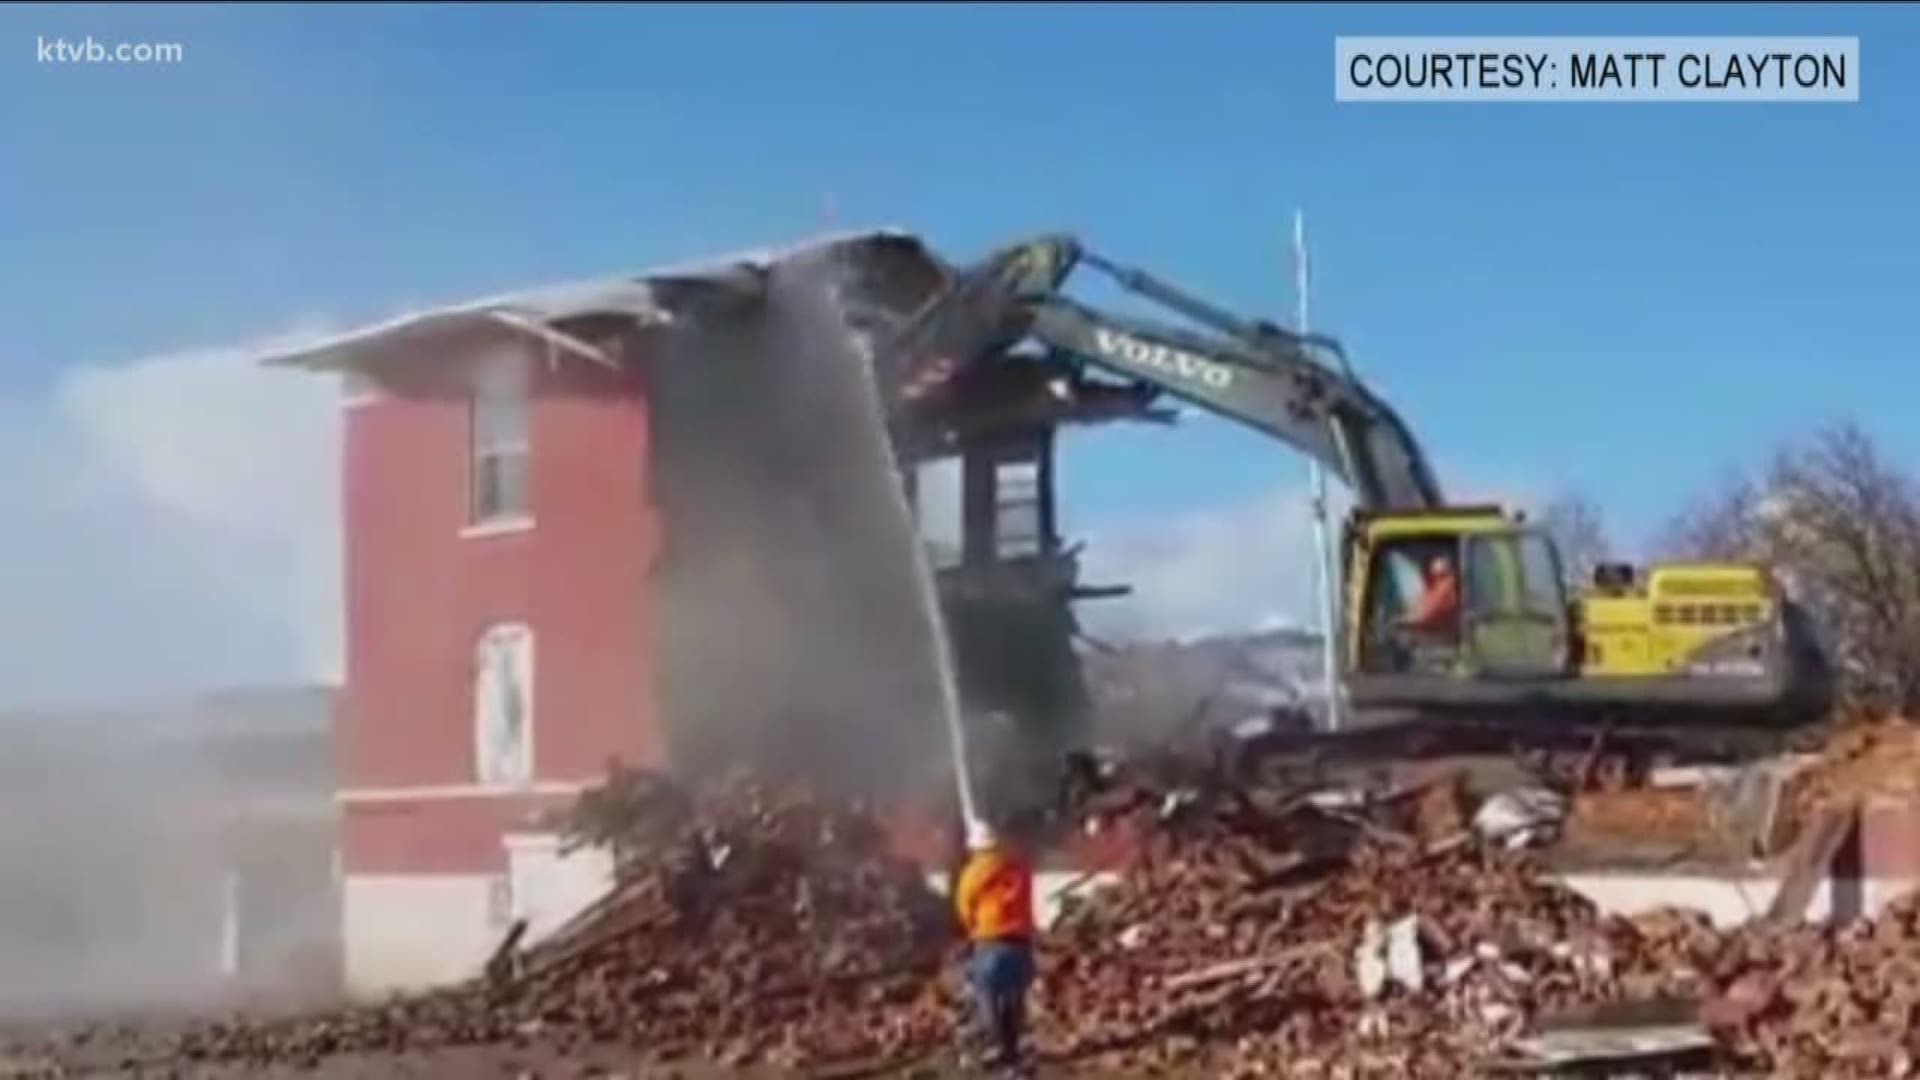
<point>512,645</point>
<point>541,841</point>
<point>502,526</point>
<point>429,878</point>
<point>626,294</point>
<point>450,792</point>
<point>555,339</point>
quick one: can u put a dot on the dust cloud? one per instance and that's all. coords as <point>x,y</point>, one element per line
<point>175,528</point>
<point>791,629</point>
<point>167,857</point>
<point>792,603</point>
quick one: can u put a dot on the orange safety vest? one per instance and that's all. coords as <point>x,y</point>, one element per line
<point>994,897</point>
<point>1439,604</point>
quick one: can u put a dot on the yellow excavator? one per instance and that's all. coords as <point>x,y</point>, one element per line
<point>1714,650</point>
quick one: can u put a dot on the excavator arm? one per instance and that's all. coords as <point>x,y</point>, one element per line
<point>1516,669</point>
<point>1294,387</point>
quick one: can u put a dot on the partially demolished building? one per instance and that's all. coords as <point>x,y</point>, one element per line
<point>657,518</point>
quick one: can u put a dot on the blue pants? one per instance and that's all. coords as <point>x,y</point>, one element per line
<point>1000,973</point>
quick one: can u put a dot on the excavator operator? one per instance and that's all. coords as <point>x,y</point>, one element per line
<point>1439,606</point>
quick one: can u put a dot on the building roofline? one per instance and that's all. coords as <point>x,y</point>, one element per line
<point>535,311</point>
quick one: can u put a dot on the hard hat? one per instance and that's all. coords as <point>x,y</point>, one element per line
<point>980,836</point>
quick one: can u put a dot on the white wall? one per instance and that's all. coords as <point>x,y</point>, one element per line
<point>416,931</point>
<point>410,932</point>
<point>548,889</point>
<point>1729,900</point>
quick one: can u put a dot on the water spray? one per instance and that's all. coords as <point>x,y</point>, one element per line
<point>931,614</point>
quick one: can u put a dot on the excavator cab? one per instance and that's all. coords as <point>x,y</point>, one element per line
<point>1451,599</point>
<point>1687,644</point>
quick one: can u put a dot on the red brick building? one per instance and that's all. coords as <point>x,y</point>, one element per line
<point>562,548</point>
<point>502,529</point>
<point>499,531</point>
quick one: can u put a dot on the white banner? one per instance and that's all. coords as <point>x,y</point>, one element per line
<point>1597,69</point>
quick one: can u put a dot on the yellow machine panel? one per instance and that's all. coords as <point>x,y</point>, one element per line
<point>1617,632</point>
<point>1658,628</point>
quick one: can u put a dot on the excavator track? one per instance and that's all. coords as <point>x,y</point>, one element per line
<point>1500,750</point>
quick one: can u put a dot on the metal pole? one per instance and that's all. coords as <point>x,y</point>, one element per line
<point>1322,535</point>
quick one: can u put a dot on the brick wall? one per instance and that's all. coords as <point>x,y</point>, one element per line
<point>423,585</point>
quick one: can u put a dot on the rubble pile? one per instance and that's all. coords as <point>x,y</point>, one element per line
<point>1378,940</point>
<point>1258,929</point>
<point>765,927</point>
<point>1381,940</point>
<point>1672,821</point>
<point>1828,1002</point>
<point>1861,763</point>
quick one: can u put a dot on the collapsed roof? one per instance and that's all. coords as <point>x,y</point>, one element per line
<point>895,271</point>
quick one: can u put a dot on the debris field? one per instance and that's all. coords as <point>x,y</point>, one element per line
<point>1253,932</point>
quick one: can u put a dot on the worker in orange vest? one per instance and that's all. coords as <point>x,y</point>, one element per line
<point>1439,604</point>
<point>994,900</point>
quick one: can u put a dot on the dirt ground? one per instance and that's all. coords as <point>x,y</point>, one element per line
<point>476,1063</point>
<point>120,1051</point>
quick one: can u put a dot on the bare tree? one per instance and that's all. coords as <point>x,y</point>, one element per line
<point>1577,528</point>
<point>1841,527</point>
<point>1722,525</point>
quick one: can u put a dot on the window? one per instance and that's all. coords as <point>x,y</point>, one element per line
<point>503,706</point>
<point>1400,576</point>
<point>1489,581</point>
<point>1396,588</point>
<point>500,445</point>
<point>1519,612</point>
<point>1018,525</point>
<point>1540,567</point>
<point>1513,574</point>
<point>937,510</point>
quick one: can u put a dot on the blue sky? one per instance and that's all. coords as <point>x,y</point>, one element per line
<point>1625,298</point>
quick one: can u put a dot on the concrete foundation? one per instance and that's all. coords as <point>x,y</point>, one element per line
<point>415,931</point>
<point>1879,865</point>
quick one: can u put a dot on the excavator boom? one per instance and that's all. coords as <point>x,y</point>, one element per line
<point>1291,386</point>
<point>1521,646</point>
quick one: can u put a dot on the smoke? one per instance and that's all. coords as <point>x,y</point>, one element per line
<point>1233,567</point>
<point>790,631</point>
<point>1239,565</point>
<point>174,527</point>
<point>135,833</point>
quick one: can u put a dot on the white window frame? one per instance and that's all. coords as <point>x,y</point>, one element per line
<point>490,711</point>
<point>1016,486</point>
<point>499,382</point>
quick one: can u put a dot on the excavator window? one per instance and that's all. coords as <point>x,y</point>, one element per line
<point>1516,607</point>
<point>1409,626</point>
<point>1506,611</point>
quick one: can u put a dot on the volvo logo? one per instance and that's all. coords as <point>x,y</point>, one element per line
<point>1191,367</point>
